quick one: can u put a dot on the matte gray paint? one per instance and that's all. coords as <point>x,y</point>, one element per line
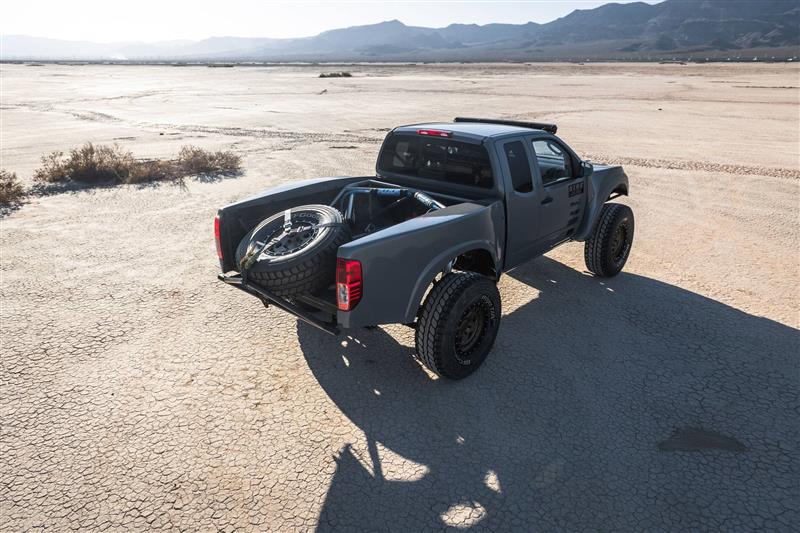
<point>400,262</point>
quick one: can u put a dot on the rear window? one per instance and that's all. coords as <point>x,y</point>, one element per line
<point>439,159</point>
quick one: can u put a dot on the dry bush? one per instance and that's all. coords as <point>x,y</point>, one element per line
<point>152,170</point>
<point>335,75</point>
<point>194,160</point>
<point>111,164</point>
<point>11,190</point>
<point>88,164</point>
<point>100,163</point>
<point>53,169</point>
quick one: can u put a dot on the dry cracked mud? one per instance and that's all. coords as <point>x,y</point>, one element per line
<point>139,393</point>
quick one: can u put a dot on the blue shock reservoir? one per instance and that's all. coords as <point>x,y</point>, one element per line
<point>389,192</point>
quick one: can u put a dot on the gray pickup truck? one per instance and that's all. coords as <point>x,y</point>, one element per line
<point>424,241</point>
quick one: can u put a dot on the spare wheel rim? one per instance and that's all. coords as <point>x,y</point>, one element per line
<point>301,232</point>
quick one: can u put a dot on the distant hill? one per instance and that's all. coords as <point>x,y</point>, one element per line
<point>671,29</point>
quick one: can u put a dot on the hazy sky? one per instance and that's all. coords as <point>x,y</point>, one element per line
<point>153,20</point>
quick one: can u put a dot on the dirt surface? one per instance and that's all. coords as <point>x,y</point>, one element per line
<point>138,392</point>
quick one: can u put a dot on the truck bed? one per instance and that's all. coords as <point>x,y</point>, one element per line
<point>400,246</point>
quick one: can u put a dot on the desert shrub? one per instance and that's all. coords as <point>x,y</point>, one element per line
<point>53,168</point>
<point>100,163</point>
<point>89,164</point>
<point>335,75</point>
<point>111,164</point>
<point>152,170</point>
<point>11,190</point>
<point>194,160</point>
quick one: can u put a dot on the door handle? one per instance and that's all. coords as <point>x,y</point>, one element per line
<point>547,200</point>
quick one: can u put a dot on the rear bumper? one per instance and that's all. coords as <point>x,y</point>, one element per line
<point>267,298</point>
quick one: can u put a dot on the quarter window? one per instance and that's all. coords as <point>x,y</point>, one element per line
<point>554,162</point>
<point>519,166</point>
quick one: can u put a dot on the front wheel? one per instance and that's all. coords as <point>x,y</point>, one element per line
<point>606,250</point>
<point>458,324</point>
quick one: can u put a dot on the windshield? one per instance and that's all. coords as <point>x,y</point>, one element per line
<point>439,159</point>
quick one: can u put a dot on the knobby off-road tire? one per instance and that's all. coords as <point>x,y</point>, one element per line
<point>607,249</point>
<point>308,262</point>
<point>444,341</point>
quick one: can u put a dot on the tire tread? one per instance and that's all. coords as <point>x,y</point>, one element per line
<point>437,307</point>
<point>596,247</point>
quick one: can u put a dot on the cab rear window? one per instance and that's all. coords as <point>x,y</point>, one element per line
<point>438,159</point>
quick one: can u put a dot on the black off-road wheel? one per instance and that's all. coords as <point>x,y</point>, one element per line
<point>607,249</point>
<point>458,324</point>
<point>300,253</point>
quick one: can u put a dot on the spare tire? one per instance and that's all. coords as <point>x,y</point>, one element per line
<point>300,256</point>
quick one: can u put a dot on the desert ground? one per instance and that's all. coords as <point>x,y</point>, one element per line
<point>138,392</point>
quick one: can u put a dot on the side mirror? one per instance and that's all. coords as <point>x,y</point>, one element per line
<point>586,169</point>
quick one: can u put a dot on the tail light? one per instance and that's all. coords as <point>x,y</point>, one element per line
<point>216,237</point>
<point>349,283</point>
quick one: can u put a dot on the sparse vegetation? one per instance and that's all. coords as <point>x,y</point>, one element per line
<point>194,160</point>
<point>88,164</point>
<point>335,75</point>
<point>11,190</point>
<point>112,164</point>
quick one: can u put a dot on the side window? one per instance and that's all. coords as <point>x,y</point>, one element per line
<point>519,166</point>
<point>554,162</point>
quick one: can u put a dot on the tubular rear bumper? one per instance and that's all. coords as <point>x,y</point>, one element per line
<point>267,298</point>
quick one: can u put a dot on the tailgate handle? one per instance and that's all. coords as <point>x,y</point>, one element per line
<point>547,200</point>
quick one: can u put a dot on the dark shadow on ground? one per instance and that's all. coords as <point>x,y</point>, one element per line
<point>214,177</point>
<point>66,187</point>
<point>7,209</point>
<point>560,429</point>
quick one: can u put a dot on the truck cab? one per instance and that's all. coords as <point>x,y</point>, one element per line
<point>541,180</point>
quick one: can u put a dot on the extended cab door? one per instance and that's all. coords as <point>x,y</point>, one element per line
<point>562,196</point>
<point>522,214</point>
<point>545,195</point>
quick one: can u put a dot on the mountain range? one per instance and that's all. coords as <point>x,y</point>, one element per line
<point>672,28</point>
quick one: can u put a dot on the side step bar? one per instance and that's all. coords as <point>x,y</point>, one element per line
<point>268,298</point>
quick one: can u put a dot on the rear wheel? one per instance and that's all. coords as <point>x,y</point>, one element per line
<point>458,324</point>
<point>607,250</point>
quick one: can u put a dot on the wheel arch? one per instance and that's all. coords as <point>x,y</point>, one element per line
<point>473,257</point>
<point>604,184</point>
<point>478,260</point>
<point>620,190</point>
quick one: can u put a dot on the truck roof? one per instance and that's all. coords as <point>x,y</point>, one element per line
<point>477,129</point>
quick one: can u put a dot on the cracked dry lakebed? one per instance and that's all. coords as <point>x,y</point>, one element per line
<point>139,393</point>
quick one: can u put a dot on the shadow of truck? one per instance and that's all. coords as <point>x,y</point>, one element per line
<point>560,429</point>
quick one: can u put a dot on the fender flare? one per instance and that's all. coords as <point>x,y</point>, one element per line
<point>438,264</point>
<point>601,185</point>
